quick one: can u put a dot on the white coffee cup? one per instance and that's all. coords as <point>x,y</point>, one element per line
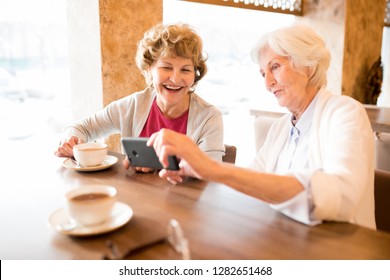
<point>90,154</point>
<point>91,205</point>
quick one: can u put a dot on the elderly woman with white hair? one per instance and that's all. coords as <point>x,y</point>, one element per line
<point>317,162</point>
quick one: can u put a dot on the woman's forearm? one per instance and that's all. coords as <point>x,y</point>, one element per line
<point>267,187</point>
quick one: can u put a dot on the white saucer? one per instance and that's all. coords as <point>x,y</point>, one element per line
<point>121,214</point>
<point>108,162</point>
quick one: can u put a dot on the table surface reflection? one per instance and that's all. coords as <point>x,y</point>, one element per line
<point>218,222</point>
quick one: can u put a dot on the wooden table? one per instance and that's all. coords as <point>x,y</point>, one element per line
<point>379,117</point>
<point>218,222</point>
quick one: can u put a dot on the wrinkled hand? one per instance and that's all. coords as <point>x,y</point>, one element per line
<point>65,148</point>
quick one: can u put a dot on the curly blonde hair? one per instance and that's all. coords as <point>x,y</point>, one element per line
<point>171,40</point>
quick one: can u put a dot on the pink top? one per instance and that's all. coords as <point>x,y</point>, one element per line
<point>157,121</point>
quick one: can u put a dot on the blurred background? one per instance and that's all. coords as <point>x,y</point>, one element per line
<point>35,99</point>
<point>34,71</point>
<point>35,78</point>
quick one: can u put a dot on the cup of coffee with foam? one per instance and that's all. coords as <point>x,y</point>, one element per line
<point>91,205</point>
<point>90,154</point>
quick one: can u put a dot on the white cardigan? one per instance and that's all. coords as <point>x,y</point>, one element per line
<point>341,153</point>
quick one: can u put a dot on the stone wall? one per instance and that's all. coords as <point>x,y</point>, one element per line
<point>122,25</point>
<point>364,22</point>
<point>352,30</point>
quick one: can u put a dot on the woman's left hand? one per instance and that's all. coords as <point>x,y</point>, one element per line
<point>127,165</point>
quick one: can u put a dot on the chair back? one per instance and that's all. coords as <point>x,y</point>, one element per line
<point>382,199</point>
<point>230,154</point>
<point>382,150</point>
<point>262,124</point>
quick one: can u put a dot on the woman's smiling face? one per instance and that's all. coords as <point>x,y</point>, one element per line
<point>172,78</point>
<point>288,84</point>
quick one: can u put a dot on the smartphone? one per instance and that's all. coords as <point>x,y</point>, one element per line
<point>141,155</point>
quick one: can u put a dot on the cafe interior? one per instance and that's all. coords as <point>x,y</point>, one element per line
<point>196,219</point>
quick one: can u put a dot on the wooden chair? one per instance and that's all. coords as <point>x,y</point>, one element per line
<point>230,154</point>
<point>382,199</point>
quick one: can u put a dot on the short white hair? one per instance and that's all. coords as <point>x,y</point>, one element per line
<point>304,48</point>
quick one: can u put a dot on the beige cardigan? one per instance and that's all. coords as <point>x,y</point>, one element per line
<point>128,115</point>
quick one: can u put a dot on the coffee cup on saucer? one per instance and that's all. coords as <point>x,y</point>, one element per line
<point>90,154</point>
<point>91,205</point>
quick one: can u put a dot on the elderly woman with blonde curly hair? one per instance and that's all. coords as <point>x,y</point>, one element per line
<point>172,61</point>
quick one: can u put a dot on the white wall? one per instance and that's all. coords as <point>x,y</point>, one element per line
<point>84,57</point>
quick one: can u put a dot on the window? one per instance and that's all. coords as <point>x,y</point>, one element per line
<point>34,73</point>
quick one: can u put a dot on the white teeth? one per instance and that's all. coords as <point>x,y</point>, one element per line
<point>171,87</point>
